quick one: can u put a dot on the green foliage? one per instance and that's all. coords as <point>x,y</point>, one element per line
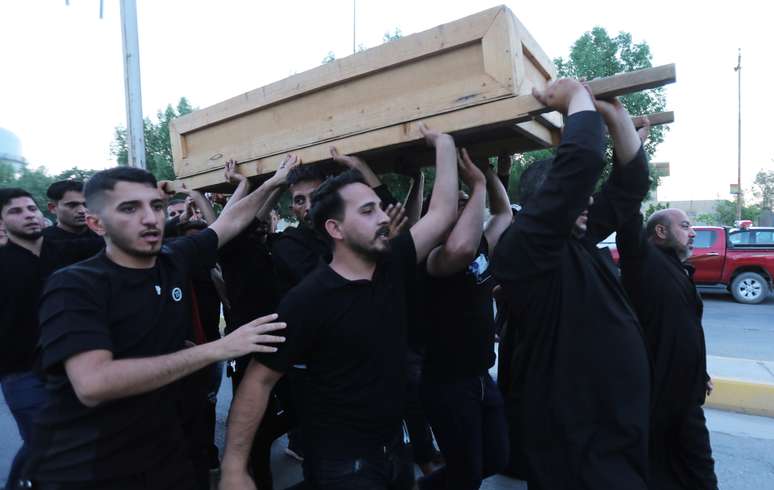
<point>763,188</point>
<point>329,58</point>
<point>595,54</point>
<point>158,149</point>
<point>652,208</point>
<point>392,36</point>
<point>725,214</point>
<point>36,181</point>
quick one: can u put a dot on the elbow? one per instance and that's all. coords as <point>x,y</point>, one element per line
<point>461,254</point>
<point>88,393</point>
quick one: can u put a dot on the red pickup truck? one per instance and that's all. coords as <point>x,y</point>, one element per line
<point>742,260</point>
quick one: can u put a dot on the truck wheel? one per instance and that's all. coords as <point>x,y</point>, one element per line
<point>750,288</point>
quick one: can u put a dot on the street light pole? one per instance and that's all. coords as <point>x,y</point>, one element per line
<point>354,23</point>
<point>738,70</point>
<point>135,140</point>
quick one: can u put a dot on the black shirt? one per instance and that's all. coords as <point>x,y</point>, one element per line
<point>23,276</point>
<point>296,252</point>
<point>352,336</point>
<point>248,272</point>
<point>458,314</point>
<point>57,233</point>
<point>133,313</point>
<point>579,376</point>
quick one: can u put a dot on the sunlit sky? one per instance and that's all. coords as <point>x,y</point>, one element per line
<point>62,92</point>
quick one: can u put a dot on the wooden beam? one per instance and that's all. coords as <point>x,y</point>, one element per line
<point>655,119</point>
<point>633,81</point>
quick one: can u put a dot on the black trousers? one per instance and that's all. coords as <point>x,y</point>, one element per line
<point>416,421</point>
<point>388,467</point>
<point>468,420</point>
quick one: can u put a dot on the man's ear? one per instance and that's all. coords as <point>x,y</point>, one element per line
<point>333,229</point>
<point>661,232</point>
<point>51,206</point>
<point>95,224</point>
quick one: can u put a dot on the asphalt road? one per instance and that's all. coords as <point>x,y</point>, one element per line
<point>743,445</point>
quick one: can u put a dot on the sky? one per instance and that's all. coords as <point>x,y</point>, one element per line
<point>62,91</point>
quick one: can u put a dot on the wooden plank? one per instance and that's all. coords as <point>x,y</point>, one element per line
<point>655,119</point>
<point>633,81</point>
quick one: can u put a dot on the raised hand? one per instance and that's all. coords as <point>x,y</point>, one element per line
<point>349,161</point>
<point>284,168</point>
<point>644,131</point>
<point>433,137</point>
<point>250,338</point>
<point>231,173</point>
<point>167,188</point>
<point>398,219</point>
<point>566,95</point>
<point>470,174</point>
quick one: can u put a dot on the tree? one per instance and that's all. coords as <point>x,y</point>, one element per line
<point>725,214</point>
<point>329,58</point>
<point>653,208</point>
<point>763,188</point>
<point>158,149</point>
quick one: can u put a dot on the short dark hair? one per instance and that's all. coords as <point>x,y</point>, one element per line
<point>106,180</point>
<point>327,202</point>
<point>175,200</point>
<point>8,193</point>
<point>533,178</point>
<point>57,190</point>
<point>305,173</point>
<point>657,218</point>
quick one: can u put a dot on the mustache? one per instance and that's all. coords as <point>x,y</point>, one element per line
<point>383,231</point>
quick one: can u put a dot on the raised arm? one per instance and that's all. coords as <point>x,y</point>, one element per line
<point>499,207</point>
<point>96,377</point>
<point>429,230</point>
<point>247,411</point>
<point>232,175</point>
<point>356,163</point>
<point>620,199</point>
<point>232,221</point>
<point>459,250</point>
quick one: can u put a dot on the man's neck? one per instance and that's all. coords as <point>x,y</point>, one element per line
<point>32,244</point>
<point>351,265</point>
<point>119,257</point>
<point>71,229</point>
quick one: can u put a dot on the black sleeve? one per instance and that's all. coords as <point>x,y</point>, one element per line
<point>73,319</point>
<point>199,251</point>
<point>78,249</point>
<point>385,195</point>
<point>620,198</point>
<point>302,327</point>
<point>534,242</point>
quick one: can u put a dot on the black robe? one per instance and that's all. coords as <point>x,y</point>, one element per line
<point>579,374</point>
<point>670,310</point>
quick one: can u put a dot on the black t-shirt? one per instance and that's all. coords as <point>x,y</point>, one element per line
<point>248,272</point>
<point>296,252</point>
<point>352,335</point>
<point>23,276</point>
<point>459,318</point>
<point>133,313</point>
<point>57,233</point>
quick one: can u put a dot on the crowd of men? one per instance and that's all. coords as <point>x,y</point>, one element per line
<point>367,331</point>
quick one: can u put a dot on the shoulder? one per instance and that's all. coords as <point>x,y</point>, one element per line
<point>87,274</point>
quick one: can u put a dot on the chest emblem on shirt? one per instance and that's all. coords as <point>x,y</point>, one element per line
<point>177,294</point>
<point>158,290</point>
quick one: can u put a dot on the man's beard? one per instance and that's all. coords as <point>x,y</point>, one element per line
<point>369,252</point>
<point>30,235</point>
<point>682,251</point>
<point>124,244</point>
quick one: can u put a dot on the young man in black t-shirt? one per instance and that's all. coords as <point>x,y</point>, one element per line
<point>66,201</point>
<point>462,402</point>
<point>25,263</point>
<point>347,321</point>
<point>113,334</point>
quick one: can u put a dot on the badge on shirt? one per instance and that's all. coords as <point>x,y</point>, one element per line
<point>177,294</point>
<point>479,268</point>
<point>158,290</point>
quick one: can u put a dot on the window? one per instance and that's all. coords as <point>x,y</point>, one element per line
<point>740,238</point>
<point>764,237</point>
<point>704,238</point>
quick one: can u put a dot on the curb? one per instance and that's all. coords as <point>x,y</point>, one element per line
<point>737,395</point>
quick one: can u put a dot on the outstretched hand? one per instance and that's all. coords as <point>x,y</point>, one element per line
<point>250,338</point>
<point>349,161</point>
<point>291,161</point>
<point>469,172</point>
<point>566,95</point>
<point>231,173</point>
<point>398,219</point>
<point>432,137</point>
<point>644,128</point>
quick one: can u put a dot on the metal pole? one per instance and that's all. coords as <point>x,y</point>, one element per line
<point>354,23</point>
<point>135,140</point>
<point>738,70</point>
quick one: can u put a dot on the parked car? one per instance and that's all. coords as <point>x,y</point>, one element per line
<point>741,260</point>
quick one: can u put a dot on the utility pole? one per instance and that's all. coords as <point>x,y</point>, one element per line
<point>738,70</point>
<point>135,140</point>
<point>354,23</point>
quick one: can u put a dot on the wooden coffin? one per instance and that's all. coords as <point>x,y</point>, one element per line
<point>366,103</point>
